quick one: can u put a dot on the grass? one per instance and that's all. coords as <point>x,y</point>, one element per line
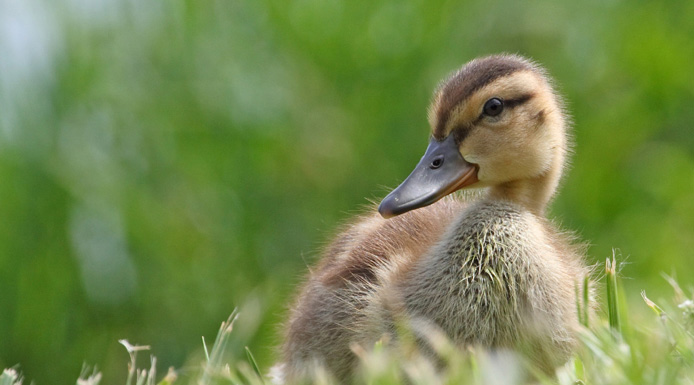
<point>612,351</point>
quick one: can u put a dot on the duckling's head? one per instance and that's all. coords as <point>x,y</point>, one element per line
<point>497,123</point>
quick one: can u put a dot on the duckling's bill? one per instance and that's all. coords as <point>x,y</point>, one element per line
<point>441,171</point>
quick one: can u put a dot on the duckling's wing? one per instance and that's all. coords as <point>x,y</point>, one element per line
<point>372,242</point>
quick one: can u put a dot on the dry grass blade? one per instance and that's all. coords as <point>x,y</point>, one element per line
<point>10,377</point>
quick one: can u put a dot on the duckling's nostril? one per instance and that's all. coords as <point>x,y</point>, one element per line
<point>437,162</point>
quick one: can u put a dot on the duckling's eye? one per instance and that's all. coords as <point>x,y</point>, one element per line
<point>493,107</point>
<point>437,162</point>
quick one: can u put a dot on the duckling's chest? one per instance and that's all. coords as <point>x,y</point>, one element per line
<point>474,281</point>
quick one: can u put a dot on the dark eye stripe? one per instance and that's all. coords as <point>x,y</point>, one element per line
<point>510,103</point>
<point>462,131</point>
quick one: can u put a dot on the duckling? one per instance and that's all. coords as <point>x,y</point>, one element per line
<point>487,271</point>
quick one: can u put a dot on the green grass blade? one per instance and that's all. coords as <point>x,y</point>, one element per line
<point>207,352</point>
<point>579,370</point>
<point>586,301</point>
<point>252,361</point>
<point>612,294</point>
<point>583,301</point>
<point>215,366</point>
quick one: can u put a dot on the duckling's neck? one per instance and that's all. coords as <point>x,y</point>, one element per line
<point>534,194</point>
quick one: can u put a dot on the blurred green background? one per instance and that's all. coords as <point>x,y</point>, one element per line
<point>162,162</point>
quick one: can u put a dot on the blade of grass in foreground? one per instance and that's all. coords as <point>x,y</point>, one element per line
<point>215,365</point>
<point>89,377</point>
<point>10,377</point>
<point>139,375</point>
<point>252,361</point>
<point>583,301</point>
<point>612,295</point>
<point>586,301</point>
